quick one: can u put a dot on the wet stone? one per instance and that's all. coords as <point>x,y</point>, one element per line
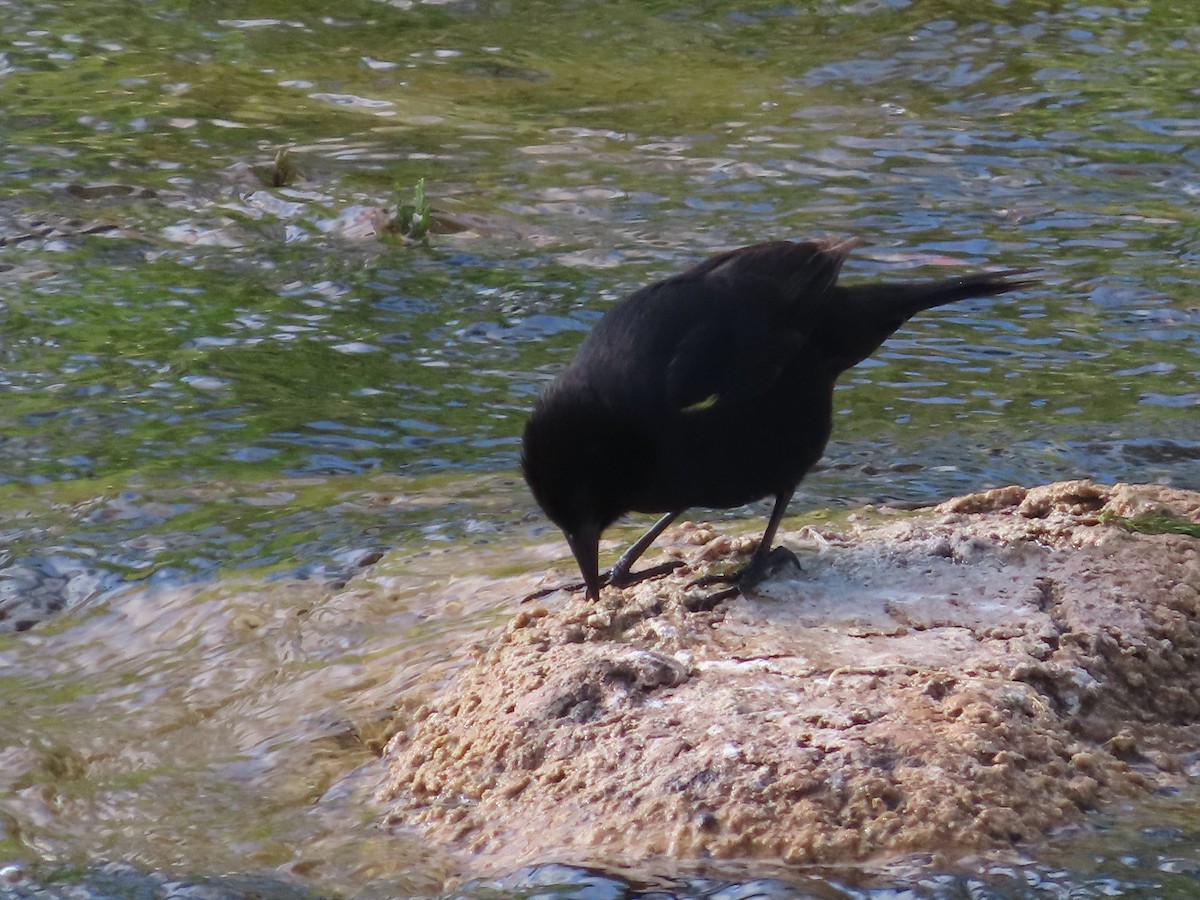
<point>949,681</point>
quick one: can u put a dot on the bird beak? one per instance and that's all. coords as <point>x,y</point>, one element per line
<point>585,544</point>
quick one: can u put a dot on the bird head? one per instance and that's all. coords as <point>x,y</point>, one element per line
<point>577,467</point>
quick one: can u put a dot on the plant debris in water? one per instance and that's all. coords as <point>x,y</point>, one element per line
<point>413,219</point>
<point>282,171</point>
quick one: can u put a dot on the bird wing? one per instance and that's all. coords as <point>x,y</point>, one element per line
<point>799,270</point>
<point>749,315</point>
<point>718,364</point>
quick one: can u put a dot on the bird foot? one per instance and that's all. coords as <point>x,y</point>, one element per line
<point>553,589</point>
<point>627,579</point>
<point>612,577</point>
<point>776,563</point>
<point>707,602</point>
<point>759,570</point>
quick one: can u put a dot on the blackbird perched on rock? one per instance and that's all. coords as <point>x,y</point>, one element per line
<point>712,388</point>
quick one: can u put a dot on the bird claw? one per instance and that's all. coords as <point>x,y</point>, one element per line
<point>553,589</point>
<point>757,571</point>
<point>768,567</point>
<point>709,601</point>
<point>610,578</point>
<point>628,579</point>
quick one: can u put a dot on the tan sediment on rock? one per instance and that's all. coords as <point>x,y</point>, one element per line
<point>961,678</point>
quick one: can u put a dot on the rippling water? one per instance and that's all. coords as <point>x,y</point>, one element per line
<point>171,319</point>
<point>207,375</point>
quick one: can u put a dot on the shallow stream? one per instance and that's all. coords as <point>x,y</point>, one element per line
<point>224,397</point>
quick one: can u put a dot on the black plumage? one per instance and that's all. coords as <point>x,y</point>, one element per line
<point>712,388</point>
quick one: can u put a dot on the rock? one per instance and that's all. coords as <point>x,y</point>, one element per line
<point>954,680</point>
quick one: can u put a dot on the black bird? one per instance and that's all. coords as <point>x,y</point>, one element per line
<point>712,388</point>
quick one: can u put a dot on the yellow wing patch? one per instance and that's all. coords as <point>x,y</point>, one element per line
<point>701,405</point>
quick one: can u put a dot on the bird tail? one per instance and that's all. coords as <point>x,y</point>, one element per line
<point>863,316</point>
<point>903,301</point>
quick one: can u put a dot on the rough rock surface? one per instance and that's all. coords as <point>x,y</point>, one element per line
<point>961,678</point>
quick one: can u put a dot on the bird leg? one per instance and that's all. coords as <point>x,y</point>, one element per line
<point>762,564</point>
<point>619,575</point>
